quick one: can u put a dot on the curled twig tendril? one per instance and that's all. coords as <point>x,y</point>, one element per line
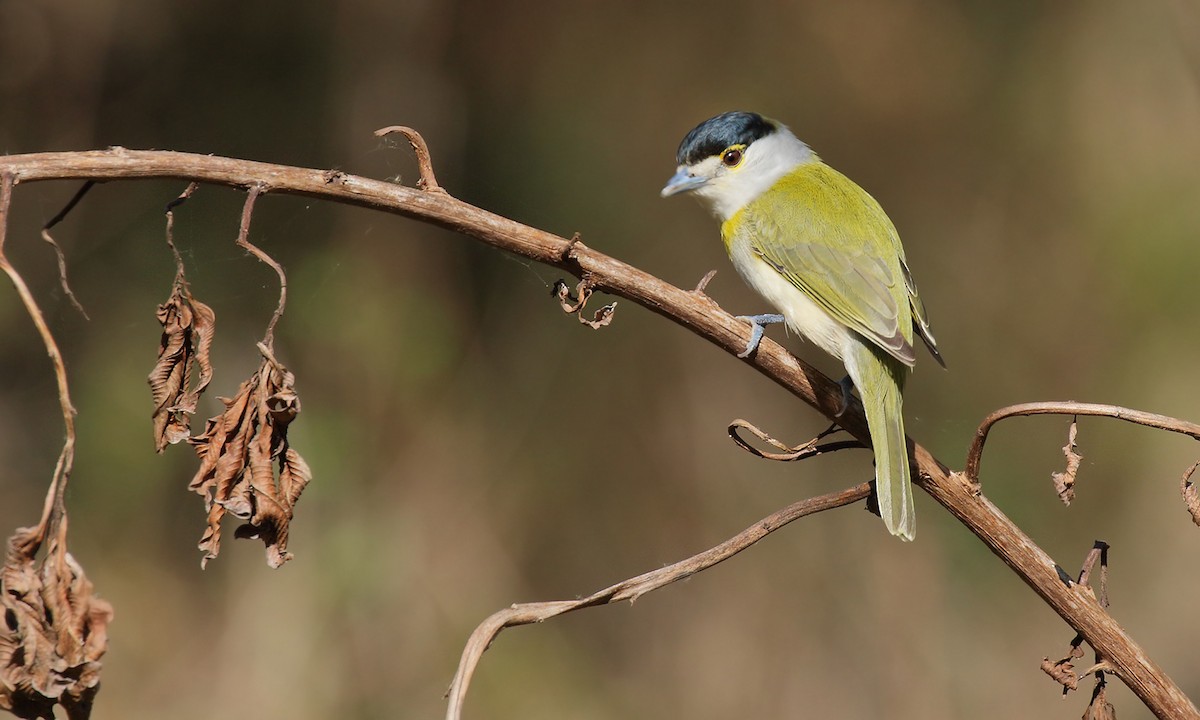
<point>573,304</point>
<point>788,453</point>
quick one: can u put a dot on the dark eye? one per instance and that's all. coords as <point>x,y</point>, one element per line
<point>731,157</point>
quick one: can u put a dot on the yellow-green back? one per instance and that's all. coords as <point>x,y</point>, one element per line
<point>833,241</point>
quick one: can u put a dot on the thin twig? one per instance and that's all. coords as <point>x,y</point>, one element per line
<point>62,214</point>
<point>170,212</point>
<point>789,453</point>
<point>54,509</point>
<point>428,181</point>
<point>58,253</point>
<point>1098,554</point>
<point>243,241</point>
<point>1162,422</point>
<point>635,587</point>
<point>704,281</point>
<point>1099,667</point>
<point>576,239</point>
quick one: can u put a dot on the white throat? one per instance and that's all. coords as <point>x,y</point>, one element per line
<point>767,160</point>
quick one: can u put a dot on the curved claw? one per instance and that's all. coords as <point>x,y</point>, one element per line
<point>757,323</point>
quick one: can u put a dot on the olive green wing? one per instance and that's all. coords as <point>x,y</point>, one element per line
<point>831,240</point>
<point>920,315</point>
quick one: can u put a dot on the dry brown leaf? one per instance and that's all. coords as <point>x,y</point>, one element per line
<point>188,326</point>
<point>601,318</point>
<point>239,451</point>
<point>583,291</point>
<point>1100,708</point>
<point>1064,482</point>
<point>1190,495</point>
<point>1063,673</point>
<point>54,632</point>
<point>1076,649</point>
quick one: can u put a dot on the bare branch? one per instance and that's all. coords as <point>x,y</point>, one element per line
<point>635,587</point>
<point>1137,417</point>
<point>55,507</point>
<point>957,492</point>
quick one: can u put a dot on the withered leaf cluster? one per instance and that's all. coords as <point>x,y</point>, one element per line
<point>1064,482</point>
<point>184,349</point>
<point>1191,497</point>
<point>239,450</point>
<point>574,305</point>
<point>54,630</point>
<point>1063,671</point>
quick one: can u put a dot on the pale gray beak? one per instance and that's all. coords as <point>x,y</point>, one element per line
<point>682,181</point>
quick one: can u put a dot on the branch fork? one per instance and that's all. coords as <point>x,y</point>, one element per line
<point>1063,671</point>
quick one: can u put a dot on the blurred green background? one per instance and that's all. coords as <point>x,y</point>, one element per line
<point>473,447</point>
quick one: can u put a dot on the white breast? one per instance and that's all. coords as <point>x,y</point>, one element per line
<point>802,314</point>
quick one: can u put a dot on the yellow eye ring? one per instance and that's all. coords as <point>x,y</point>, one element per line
<point>733,156</point>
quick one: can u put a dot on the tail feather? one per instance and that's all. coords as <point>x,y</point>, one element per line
<point>880,381</point>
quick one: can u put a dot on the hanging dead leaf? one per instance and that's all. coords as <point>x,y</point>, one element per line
<point>1100,708</point>
<point>601,318</point>
<point>1191,497</point>
<point>583,291</point>
<point>1064,482</point>
<point>1063,673</point>
<point>54,631</point>
<point>238,452</point>
<point>188,326</point>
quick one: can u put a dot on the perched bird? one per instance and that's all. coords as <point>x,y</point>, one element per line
<point>821,250</point>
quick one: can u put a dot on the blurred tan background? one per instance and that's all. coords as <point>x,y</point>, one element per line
<point>473,447</point>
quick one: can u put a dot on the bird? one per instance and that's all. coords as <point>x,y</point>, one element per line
<point>822,252</point>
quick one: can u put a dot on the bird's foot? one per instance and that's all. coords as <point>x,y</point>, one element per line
<point>757,323</point>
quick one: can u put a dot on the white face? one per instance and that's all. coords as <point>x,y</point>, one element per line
<point>727,187</point>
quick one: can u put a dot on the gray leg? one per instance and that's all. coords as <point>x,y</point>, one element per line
<point>847,395</point>
<point>757,323</point>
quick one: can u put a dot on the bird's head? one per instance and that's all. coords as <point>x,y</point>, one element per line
<point>733,158</point>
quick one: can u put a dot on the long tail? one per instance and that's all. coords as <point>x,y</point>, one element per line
<point>880,380</point>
